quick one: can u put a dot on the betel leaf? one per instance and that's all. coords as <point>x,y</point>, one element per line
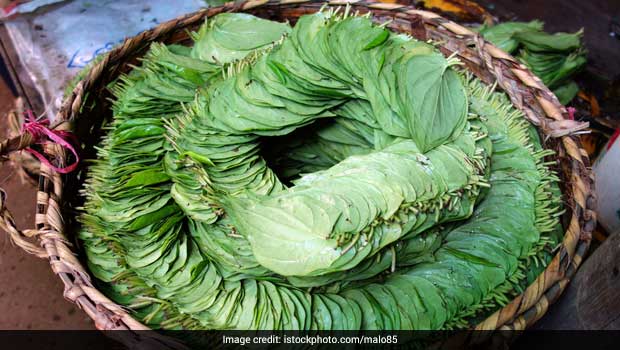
<point>232,36</point>
<point>433,98</point>
<point>555,58</point>
<point>503,35</point>
<point>301,181</point>
<point>566,92</point>
<point>378,40</point>
<point>542,42</point>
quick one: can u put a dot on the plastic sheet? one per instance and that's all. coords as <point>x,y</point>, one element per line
<point>55,42</point>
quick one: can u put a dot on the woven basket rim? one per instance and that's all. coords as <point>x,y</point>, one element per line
<point>526,92</point>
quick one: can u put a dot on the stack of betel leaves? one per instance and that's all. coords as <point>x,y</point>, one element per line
<point>554,58</point>
<point>271,177</point>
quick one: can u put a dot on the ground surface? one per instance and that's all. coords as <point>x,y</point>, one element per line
<point>30,294</point>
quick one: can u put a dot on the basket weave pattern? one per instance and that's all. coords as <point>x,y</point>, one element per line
<point>484,60</point>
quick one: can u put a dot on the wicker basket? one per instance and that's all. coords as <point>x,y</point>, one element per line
<point>57,194</point>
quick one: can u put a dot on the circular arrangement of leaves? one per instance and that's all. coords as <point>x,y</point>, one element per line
<point>334,175</point>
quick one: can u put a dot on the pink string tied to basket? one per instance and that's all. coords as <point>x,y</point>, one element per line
<point>42,135</point>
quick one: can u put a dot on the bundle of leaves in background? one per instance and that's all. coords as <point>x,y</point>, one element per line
<point>555,58</point>
<point>272,177</point>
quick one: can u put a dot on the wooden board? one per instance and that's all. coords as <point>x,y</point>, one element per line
<point>592,299</point>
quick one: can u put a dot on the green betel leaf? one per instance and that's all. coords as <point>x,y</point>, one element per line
<point>232,36</point>
<point>542,42</point>
<point>378,40</point>
<point>433,98</point>
<point>555,58</point>
<point>332,176</point>
<point>566,92</point>
<point>503,35</point>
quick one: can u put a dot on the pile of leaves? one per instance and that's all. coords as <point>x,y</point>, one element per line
<point>271,177</point>
<point>554,58</point>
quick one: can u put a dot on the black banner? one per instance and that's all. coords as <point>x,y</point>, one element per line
<point>341,340</point>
